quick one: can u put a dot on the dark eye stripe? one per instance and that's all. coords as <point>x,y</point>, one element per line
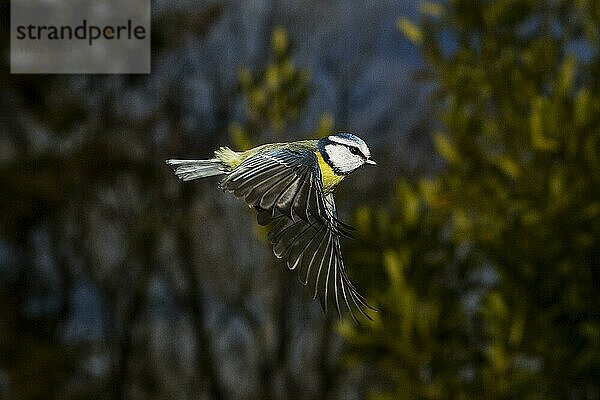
<point>356,151</point>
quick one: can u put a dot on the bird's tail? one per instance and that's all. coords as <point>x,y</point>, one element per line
<point>188,170</point>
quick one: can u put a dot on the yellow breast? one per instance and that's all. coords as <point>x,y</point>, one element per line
<point>330,178</point>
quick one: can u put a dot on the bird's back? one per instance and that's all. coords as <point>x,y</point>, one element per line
<point>232,159</point>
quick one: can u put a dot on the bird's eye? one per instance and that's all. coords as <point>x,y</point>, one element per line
<point>354,151</point>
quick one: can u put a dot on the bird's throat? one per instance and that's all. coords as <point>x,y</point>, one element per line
<point>330,178</point>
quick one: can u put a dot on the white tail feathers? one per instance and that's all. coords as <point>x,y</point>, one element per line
<point>188,170</point>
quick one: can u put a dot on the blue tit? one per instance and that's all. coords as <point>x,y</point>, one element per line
<point>291,186</point>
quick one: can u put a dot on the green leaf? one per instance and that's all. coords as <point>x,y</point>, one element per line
<point>239,136</point>
<point>410,30</point>
<point>539,114</point>
<point>581,106</point>
<point>432,9</point>
<point>279,41</point>
<point>497,305</point>
<point>394,265</point>
<point>409,201</point>
<point>517,328</point>
<point>445,148</point>
<point>508,166</point>
<point>566,75</point>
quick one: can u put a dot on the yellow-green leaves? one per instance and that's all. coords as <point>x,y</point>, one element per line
<point>410,30</point>
<point>429,192</point>
<point>279,41</point>
<point>325,127</point>
<point>394,264</point>
<point>537,126</point>
<point>566,75</point>
<point>432,9</point>
<point>509,225</point>
<point>517,327</point>
<point>240,137</point>
<point>582,107</point>
<point>445,148</point>
<point>363,219</point>
<point>274,94</point>
<point>409,201</point>
<point>507,165</point>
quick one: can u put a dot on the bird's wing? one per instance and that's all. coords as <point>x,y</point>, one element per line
<point>284,181</point>
<point>285,186</point>
<point>313,249</point>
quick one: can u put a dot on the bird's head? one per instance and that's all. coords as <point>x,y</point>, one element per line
<point>345,152</point>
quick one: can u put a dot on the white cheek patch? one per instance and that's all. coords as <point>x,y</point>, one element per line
<point>341,158</point>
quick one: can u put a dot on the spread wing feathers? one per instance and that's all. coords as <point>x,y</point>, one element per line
<point>287,182</point>
<point>285,186</point>
<point>313,249</point>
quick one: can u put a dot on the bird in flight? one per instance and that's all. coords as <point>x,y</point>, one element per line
<point>291,187</point>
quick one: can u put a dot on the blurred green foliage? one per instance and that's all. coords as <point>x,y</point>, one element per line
<point>489,272</point>
<point>274,96</point>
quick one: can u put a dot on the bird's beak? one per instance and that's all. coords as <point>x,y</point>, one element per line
<point>370,162</point>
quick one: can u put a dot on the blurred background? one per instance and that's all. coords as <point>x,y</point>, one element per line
<point>478,233</point>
